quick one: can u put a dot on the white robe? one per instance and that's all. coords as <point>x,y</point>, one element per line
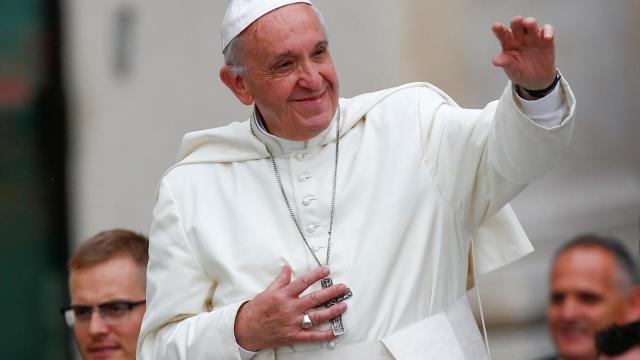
<point>418,177</point>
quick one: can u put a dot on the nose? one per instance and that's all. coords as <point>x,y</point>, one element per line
<point>310,76</point>
<point>96,325</point>
<point>568,309</point>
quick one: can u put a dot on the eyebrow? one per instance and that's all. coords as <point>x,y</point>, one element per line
<point>288,54</point>
<point>102,303</point>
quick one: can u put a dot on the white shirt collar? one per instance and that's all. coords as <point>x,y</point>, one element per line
<point>279,146</point>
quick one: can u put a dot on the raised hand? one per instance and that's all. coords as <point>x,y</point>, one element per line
<point>274,317</point>
<point>528,52</point>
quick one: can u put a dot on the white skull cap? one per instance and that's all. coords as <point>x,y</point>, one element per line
<point>242,13</point>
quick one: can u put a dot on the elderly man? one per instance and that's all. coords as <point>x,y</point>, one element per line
<point>369,203</point>
<point>594,284</point>
<point>107,287</point>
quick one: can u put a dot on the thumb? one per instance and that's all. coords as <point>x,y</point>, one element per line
<point>502,60</point>
<point>282,280</point>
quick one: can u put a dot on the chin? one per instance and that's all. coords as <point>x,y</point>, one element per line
<point>115,354</point>
<point>314,126</point>
<point>577,353</point>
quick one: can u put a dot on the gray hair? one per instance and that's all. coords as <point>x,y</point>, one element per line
<point>626,265</point>
<point>233,51</point>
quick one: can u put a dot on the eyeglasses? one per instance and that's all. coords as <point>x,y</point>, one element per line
<point>112,313</point>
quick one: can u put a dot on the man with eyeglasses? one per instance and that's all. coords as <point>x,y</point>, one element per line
<point>107,281</point>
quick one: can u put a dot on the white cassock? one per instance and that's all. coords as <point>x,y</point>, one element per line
<point>418,177</point>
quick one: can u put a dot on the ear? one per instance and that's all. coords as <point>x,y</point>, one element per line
<point>236,84</point>
<point>634,302</point>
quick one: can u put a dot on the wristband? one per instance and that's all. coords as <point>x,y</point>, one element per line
<point>538,94</point>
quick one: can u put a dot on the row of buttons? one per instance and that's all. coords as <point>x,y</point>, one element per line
<point>308,199</point>
<point>311,228</point>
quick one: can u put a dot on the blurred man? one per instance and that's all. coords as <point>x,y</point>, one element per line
<point>262,225</point>
<point>594,284</point>
<point>107,288</point>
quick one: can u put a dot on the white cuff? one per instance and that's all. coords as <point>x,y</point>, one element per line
<point>245,354</point>
<point>548,111</point>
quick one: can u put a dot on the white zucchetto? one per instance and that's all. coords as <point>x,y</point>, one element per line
<point>242,13</point>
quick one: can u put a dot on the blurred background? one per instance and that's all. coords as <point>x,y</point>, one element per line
<point>96,95</point>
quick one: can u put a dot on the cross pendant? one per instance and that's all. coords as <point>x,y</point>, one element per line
<point>336,324</point>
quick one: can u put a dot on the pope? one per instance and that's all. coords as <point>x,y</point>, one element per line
<point>331,228</point>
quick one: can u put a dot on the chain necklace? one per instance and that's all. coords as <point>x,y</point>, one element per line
<point>333,198</point>
<point>336,324</point>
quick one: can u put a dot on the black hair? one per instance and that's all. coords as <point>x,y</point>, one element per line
<point>623,258</point>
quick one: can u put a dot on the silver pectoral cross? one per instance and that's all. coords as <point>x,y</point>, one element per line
<point>336,324</point>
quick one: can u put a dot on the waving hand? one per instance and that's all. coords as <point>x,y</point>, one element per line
<point>528,52</point>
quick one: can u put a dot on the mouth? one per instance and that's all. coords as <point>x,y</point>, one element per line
<point>575,332</point>
<point>103,351</point>
<point>312,99</point>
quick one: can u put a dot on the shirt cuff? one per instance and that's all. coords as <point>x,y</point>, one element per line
<point>548,111</point>
<point>245,354</point>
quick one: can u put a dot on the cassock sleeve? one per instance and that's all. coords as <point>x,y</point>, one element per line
<point>179,322</point>
<point>481,159</point>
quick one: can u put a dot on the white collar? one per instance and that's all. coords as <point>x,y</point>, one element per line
<point>279,146</point>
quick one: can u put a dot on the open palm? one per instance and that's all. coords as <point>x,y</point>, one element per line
<point>528,52</point>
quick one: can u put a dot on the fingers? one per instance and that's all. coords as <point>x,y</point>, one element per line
<point>320,317</point>
<point>501,33</point>
<point>314,335</point>
<point>282,280</point>
<point>517,26</point>
<point>502,60</point>
<point>521,26</point>
<point>523,32</point>
<point>320,297</point>
<point>297,286</point>
<point>547,32</point>
<point>530,25</point>
<point>326,314</point>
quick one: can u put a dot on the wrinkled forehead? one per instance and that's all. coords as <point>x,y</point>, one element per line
<point>585,266</point>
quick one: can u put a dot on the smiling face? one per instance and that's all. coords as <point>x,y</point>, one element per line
<point>119,278</point>
<point>586,296</point>
<point>289,73</point>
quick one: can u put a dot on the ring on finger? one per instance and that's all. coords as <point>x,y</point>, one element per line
<point>306,322</point>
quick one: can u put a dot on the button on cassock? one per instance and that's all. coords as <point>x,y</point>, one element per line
<point>311,228</point>
<point>300,156</point>
<point>308,200</point>
<point>304,177</point>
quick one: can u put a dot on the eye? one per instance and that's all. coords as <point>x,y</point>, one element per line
<point>589,298</point>
<point>82,312</point>
<point>320,52</point>
<point>556,298</point>
<point>283,65</point>
<point>114,309</point>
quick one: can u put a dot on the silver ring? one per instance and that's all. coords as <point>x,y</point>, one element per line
<point>306,322</point>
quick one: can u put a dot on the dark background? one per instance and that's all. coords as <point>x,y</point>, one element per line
<point>33,220</point>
